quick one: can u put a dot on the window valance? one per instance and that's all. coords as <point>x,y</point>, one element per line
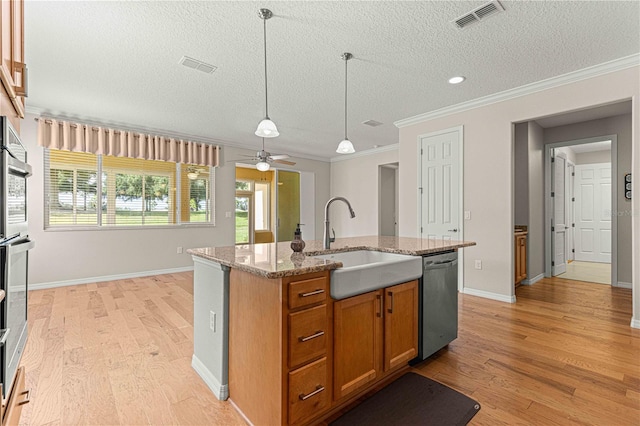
<point>68,136</point>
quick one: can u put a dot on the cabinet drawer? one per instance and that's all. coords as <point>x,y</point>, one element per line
<point>308,390</point>
<point>307,335</point>
<point>307,292</point>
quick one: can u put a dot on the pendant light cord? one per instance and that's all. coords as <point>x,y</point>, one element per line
<point>346,59</point>
<point>266,92</point>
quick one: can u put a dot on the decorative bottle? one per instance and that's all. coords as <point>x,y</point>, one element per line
<point>297,245</point>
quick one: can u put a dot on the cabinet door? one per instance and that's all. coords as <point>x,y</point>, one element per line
<point>12,52</point>
<point>400,324</point>
<point>358,342</point>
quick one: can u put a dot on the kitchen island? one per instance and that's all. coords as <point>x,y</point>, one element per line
<point>295,355</point>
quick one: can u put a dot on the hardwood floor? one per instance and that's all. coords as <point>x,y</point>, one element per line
<point>120,353</point>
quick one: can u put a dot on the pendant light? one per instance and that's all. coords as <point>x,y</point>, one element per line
<point>266,128</point>
<point>345,147</point>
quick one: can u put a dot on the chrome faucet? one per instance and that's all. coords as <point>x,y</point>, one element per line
<point>326,242</point>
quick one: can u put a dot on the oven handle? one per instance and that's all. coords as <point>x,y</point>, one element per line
<point>20,246</point>
<point>4,333</point>
<point>18,167</point>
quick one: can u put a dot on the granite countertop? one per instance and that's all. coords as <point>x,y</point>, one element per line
<point>277,260</point>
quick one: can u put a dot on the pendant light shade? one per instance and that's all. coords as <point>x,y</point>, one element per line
<point>345,147</point>
<point>266,128</point>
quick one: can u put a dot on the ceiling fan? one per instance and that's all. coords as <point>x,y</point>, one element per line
<point>264,159</point>
<point>194,173</point>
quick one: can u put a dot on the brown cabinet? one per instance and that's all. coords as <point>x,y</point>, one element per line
<point>12,66</point>
<point>374,333</point>
<point>520,250</point>
<point>289,342</point>
<point>280,347</point>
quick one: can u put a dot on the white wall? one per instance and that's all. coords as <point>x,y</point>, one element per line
<point>488,172</point>
<point>84,256</point>
<point>355,177</point>
<point>594,157</point>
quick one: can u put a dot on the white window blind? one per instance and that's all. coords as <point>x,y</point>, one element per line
<point>87,190</point>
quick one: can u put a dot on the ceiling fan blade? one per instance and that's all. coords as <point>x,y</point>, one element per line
<point>290,163</point>
<point>242,159</point>
<point>279,156</point>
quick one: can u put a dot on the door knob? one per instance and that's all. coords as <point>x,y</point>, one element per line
<point>452,230</point>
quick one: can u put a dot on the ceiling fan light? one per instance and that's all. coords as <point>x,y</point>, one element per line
<point>267,129</point>
<point>263,166</point>
<point>345,147</point>
<point>192,175</point>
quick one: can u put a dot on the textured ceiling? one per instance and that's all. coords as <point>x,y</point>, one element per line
<point>116,62</point>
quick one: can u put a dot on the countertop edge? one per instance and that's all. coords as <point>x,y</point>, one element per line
<point>328,265</point>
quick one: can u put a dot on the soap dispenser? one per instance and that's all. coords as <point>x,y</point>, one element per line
<point>297,245</point>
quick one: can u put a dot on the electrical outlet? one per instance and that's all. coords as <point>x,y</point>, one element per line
<point>179,250</point>
<point>212,321</point>
<point>478,264</point>
<point>227,215</point>
<point>467,215</point>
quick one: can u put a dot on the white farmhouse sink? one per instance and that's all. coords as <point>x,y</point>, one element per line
<point>367,270</point>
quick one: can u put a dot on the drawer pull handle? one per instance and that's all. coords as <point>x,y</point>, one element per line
<point>303,397</point>
<point>311,293</point>
<point>27,398</point>
<point>313,336</point>
<point>390,310</point>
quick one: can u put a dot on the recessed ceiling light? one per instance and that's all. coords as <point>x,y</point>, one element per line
<point>457,80</point>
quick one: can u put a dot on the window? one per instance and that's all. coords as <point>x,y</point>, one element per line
<point>95,190</point>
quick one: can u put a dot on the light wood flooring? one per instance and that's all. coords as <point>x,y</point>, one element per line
<point>593,272</point>
<point>119,352</point>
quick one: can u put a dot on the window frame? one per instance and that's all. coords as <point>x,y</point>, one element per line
<point>175,210</point>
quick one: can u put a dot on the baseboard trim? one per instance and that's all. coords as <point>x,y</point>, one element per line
<point>623,284</point>
<point>533,280</point>
<point>489,295</point>
<point>635,323</point>
<point>219,390</point>
<point>88,280</point>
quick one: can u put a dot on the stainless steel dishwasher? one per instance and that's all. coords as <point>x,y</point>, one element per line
<point>438,310</point>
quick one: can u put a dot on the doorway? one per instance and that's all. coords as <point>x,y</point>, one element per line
<point>581,198</point>
<point>388,200</point>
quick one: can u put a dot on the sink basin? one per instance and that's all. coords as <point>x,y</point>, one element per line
<point>367,270</point>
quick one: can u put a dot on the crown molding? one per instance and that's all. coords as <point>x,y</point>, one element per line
<point>385,148</point>
<point>560,80</point>
<point>44,113</point>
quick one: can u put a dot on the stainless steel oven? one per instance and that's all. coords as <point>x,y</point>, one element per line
<point>14,252</point>
<point>13,182</point>
<point>14,264</point>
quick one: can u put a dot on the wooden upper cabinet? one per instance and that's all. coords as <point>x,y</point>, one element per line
<point>12,67</point>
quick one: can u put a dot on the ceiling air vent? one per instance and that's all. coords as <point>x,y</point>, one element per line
<point>372,123</point>
<point>479,14</point>
<point>197,65</point>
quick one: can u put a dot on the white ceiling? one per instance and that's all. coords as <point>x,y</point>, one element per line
<point>116,62</point>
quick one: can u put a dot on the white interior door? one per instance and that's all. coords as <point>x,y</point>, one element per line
<point>593,217</point>
<point>571,210</point>
<point>559,227</point>
<point>441,186</point>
